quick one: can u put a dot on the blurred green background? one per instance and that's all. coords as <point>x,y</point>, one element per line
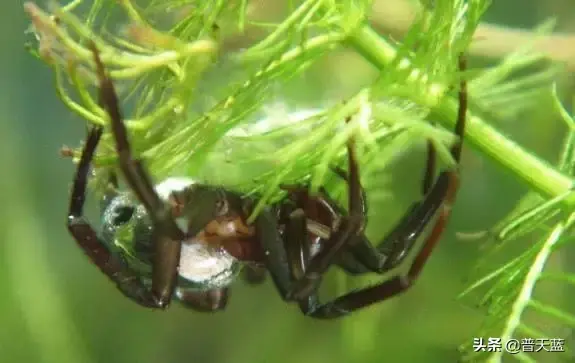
<point>56,307</point>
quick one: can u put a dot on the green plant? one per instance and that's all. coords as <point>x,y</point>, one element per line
<point>159,63</point>
<point>533,231</point>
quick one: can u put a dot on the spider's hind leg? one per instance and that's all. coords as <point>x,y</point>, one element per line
<point>127,281</point>
<point>167,235</point>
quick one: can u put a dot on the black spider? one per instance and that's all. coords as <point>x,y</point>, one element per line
<point>189,240</point>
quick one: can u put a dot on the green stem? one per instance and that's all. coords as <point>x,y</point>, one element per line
<point>372,47</point>
<point>535,172</point>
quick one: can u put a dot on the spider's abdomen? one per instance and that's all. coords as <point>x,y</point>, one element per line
<point>205,262</point>
<point>204,267</point>
<point>127,230</point>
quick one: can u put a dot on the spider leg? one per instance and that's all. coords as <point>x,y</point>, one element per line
<point>361,256</point>
<point>205,301</point>
<point>167,235</point>
<point>399,242</point>
<point>343,175</point>
<point>296,253</point>
<point>295,242</point>
<point>392,250</point>
<point>295,239</point>
<point>288,255</point>
<point>434,209</point>
<point>366,256</point>
<point>394,247</point>
<point>268,235</point>
<point>285,255</point>
<point>348,231</point>
<point>444,187</point>
<point>287,258</point>
<point>127,281</point>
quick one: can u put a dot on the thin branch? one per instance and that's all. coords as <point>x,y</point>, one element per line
<point>492,41</point>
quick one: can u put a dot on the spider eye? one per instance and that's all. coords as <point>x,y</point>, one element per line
<point>122,215</point>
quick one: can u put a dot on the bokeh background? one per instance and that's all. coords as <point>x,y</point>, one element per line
<point>56,307</point>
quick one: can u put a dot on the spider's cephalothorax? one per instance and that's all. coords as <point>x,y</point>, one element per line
<point>187,240</point>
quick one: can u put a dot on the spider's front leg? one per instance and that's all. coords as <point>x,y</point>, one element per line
<point>167,235</point>
<point>127,281</point>
<point>427,219</point>
<point>350,228</point>
<point>295,273</point>
<point>430,214</point>
<point>433,210</point>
